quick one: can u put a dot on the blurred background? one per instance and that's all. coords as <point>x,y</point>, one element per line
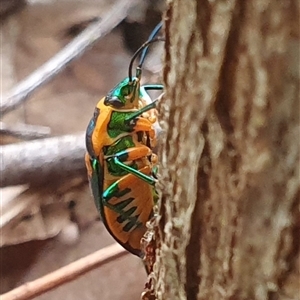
<point>48,226</point>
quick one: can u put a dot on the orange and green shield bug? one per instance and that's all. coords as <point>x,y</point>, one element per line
<point>120,160</point>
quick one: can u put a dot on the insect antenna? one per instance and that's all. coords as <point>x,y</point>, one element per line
<point>153,34</point>
<point>144,50</point>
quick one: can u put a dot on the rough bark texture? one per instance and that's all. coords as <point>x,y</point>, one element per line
<point>230,222</point>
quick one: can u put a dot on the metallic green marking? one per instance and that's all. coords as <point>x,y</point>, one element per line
<point>119,146</point>
<point>97,184</point>
<point>117,125</point>
<point>150,180</point>
<point>113,191</point>
<point>121,122</point>
<point>121,90</point>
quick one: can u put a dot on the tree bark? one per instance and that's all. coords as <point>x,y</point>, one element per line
<point>229,220</point>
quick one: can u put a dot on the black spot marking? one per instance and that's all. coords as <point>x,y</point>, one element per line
<point>133,222</point>
<point>121,205</point>
<point>122,193</point>
<point>126,215</point>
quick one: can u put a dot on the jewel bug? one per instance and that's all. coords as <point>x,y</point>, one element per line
<point>120,163</point>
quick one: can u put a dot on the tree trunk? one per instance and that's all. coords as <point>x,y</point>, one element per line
<point>229,212</point>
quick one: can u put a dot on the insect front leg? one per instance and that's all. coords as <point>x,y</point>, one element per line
<point>137,122</point>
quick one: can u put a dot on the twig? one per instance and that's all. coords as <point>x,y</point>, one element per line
<point>25,131</point>
<point>68,273</point>
<point>42,161</point>
<point>73,50</point>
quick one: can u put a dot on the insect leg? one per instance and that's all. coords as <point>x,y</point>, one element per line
<point>138,113</point>
<point>130,154</point>
<point>137,123</point>
<point>119,189</point>
<point>152,87</point>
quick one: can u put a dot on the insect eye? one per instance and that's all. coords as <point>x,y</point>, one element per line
<point>113,101</point>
